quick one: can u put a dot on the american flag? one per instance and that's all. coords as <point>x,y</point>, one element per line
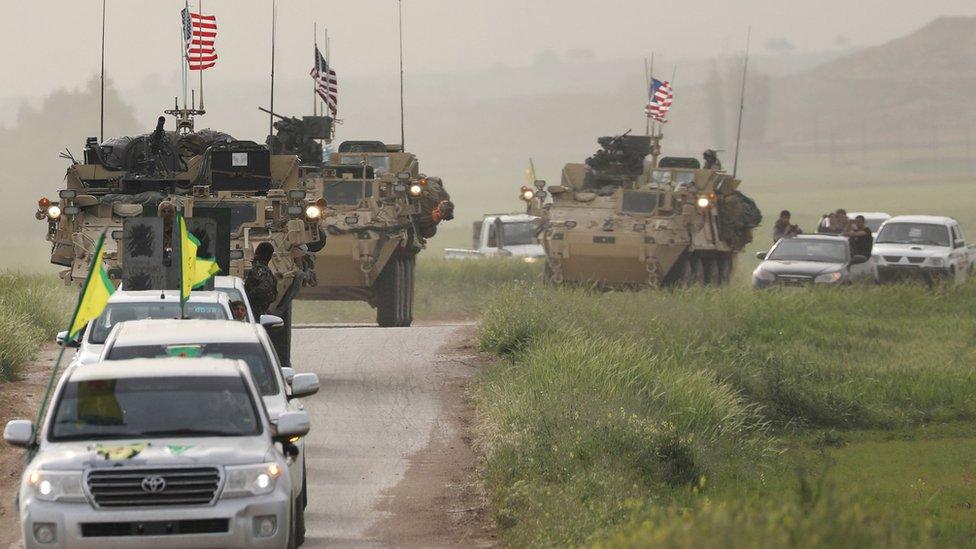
<point>199,34</point>
<point>326,83</point>
<point>659,102</point>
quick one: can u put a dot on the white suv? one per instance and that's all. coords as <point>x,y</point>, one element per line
<point>157,453</point>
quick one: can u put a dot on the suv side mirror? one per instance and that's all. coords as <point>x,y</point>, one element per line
<point>290,425</point>
<point>761,256</point>
<point>271,321</point>
<point>303,385</point>
<point>960,243</point>
<point>19,432</point>
<point>63,336</point>
<point>288,374</point>
<point>858,259</point>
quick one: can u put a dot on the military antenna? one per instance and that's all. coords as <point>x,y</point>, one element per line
<point>647,86</point>
<point>274,20</point>
<point>742,106</point>
<point>403,139</point>
<point>315,41</point>
<point>101,114</point>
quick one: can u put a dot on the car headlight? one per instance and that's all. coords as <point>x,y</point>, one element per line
<point>313,212</point>
<point>763,274</point>
<point>828,278</point>
<point>251,480</point>
<point>56,485</point>
<point>936,262</point>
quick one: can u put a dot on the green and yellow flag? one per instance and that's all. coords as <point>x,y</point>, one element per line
<point>195,271</point>
<point>94,294</point>
<point>530,172</point>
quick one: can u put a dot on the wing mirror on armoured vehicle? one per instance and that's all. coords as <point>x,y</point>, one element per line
<point>761,256</point>
<point>290,425</point>
<point>63,336</point>
<point>19,432</point>
<point>271,321</point>
<point>858,259</point>
<point>303,385</point>
<point>288,374</point>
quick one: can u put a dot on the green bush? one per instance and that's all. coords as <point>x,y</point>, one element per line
<point>32,308</point>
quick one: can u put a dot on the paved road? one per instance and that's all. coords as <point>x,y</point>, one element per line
<point>381,403</point>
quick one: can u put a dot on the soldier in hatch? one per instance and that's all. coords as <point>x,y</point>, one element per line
<point>260,285</point>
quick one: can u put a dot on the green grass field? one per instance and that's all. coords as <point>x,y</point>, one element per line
<point>32,309</point>
<point>731,418</point>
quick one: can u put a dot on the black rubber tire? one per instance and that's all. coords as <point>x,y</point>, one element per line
<point>410,269</point>
<point>292,542</point>
<point>304,484</point>
<point>710,263</point>
<point>389,299</point>
<point>299,521</point>
<point>725,269</point>
<point>697,270</point>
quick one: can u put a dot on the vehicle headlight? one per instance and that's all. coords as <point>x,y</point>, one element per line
<point>251,480</point>
<point>936,262</point>
<point>763,274</point>
<point>313,212</point>
<point>530,259</point>
<point>828,278</point>
<point>416,189</point>
<point>53,212</point>
<point>56,485</point>
<point>704,202</point>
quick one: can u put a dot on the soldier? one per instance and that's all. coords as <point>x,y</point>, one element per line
<point>260,285</point>
<point>711,160</point>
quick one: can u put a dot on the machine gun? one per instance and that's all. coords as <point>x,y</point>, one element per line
<point>298,136</point>
<point>621,155</point>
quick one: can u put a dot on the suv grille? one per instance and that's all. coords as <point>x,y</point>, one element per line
<point>794,280</point>
<point>145,487</point>
<point>916,260</point>
<point>892,258</point>
<point>154,528</point>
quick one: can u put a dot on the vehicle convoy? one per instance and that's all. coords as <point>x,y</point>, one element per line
<point>806,260</point>
<point>234,195</point>
<point>505,235</point>
<point>379,209</point>
<point>925,247</point>
<point>620,221</point>
<point>126,305</point>
<point>110,470</point>
<point>280,387</point>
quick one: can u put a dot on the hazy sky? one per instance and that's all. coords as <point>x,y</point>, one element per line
<point>55,43</point>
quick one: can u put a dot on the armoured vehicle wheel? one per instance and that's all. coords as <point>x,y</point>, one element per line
<point>711,270</point>
<point>725,269</point>
<point>395,293</point>
<point>697,269</point>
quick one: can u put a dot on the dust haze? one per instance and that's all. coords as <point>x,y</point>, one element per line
<point>493,83</point>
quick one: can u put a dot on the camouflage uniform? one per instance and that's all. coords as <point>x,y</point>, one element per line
<point>261,288</point>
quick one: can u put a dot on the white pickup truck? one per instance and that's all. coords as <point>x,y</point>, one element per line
<point>502,235</point>
<point>928,247</point>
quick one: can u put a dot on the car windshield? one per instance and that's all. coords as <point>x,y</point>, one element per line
<point>120,312</point>
<point>914,233</point>
<point>797,249</point>
<point>522,232</point>
<point>262,369</point>
<point>195,406</point>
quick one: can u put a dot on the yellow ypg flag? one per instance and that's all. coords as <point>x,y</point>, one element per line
<point>195,271</point>
<point>94,294</point>
<point>530,172</point>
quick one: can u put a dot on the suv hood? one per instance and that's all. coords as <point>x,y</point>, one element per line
<point>157,452</point>
<point>802,268</point>
<point>914,250</point>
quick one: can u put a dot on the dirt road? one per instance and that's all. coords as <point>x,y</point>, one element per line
<point>389,458</point>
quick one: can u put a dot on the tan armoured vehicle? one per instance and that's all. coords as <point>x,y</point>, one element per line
<point>623,221</point>
<point>380,210</point>
<point>234,194</point>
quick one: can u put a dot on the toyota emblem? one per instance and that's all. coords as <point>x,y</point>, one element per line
<point>154,484</point>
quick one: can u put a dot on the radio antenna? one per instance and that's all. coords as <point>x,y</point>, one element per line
<point>742,106</point>
<point>101,108</point>
<point>274,21</point>
<point>403,139</point>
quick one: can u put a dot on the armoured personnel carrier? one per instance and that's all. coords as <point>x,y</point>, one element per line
<point>234,194</point>
<point>620,220</point>
<point>380,210</point>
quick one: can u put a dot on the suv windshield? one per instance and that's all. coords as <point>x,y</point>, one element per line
<point>913,233</point>
<point>252,353</point>
<point>120,312</point>
<point>196,406</point>
<point>519,233</point>
<point>797,249</point>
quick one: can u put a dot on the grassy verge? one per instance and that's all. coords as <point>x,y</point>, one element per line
<point>32,308</point>
<point>731,418</point>
<point>445,290</point>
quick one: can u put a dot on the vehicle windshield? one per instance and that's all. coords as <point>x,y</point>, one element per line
<point>914,233</point>
<point>262,369</point>
<point>346,193</point>
<point>195,406</point>
<point>522,232</point>
<point>380,163</point>
<point>121,312</point>
<point>797,249</point>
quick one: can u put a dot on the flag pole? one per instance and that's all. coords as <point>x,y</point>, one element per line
<point>274,17</point>
<point>403,139</point>
<point>647,86</point>
<point>101,114</point>
<point>742,106</point>
<point>184,53</point>
<point>315,41</point>
<point>200,56</point>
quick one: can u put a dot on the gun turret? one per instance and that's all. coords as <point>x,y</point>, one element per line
<point>156,140</point>
<point>276,115</point>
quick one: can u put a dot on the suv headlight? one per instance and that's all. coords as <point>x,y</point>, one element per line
<point>251,480</point>
<point>828,278</point>
<point>56,485</point>
<point>763,274</point>
<point>936,262</point>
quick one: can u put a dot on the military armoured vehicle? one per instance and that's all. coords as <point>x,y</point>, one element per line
<point>380,210</point>
<point>621,220</point>
<point>234,194</point>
